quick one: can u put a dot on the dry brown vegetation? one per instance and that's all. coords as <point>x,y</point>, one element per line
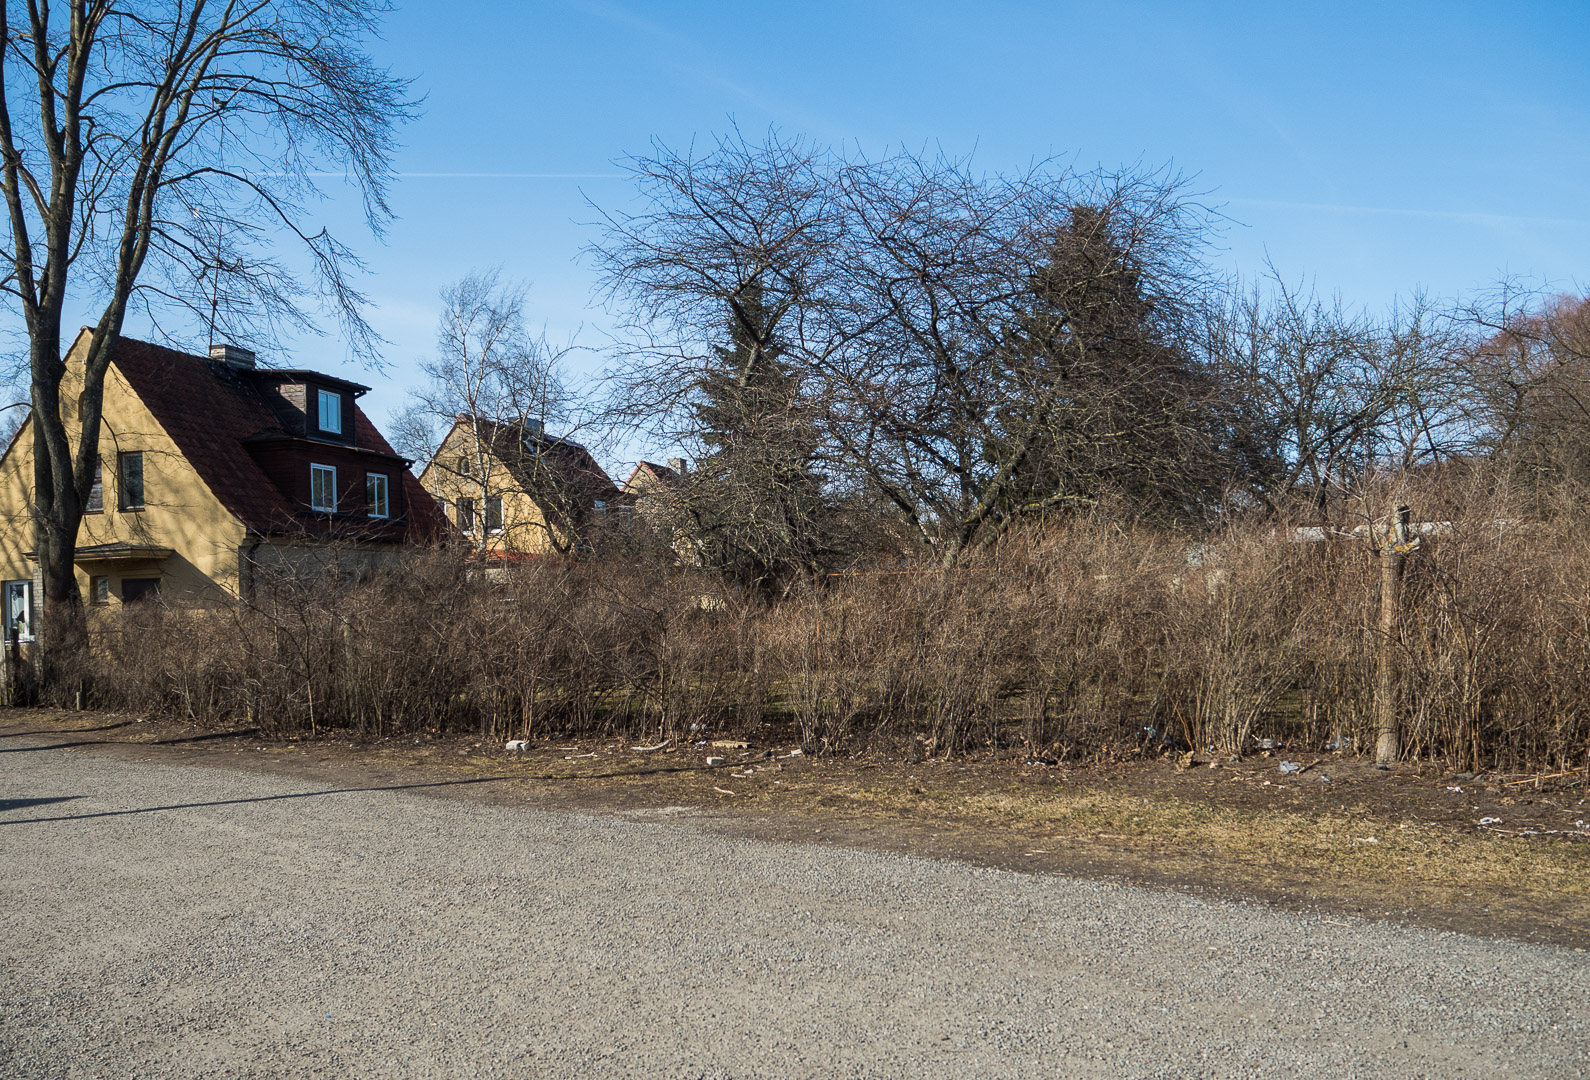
<point>1089,640</point>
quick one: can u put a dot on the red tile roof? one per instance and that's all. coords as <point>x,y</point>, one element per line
<point>209,408</point>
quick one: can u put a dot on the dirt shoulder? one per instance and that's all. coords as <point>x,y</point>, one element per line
<point>1341,837</point>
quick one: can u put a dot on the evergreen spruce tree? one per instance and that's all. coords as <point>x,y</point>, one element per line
<point>1096,399</point>
<point>755,501</point>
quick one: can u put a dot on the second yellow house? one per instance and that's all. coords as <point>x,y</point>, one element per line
<point>515,491</point>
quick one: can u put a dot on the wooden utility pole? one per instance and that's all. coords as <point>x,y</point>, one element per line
<point>1394,548</point>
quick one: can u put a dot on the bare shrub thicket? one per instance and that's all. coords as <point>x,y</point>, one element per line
<point>1092,639</point>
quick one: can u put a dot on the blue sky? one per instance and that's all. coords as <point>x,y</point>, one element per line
<point>1368,148</point>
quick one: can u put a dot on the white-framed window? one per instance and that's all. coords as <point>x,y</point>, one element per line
<point>330,411</point>
<point>323,488</point>
<point>375,495</point>
<point>99,590</point>
<point>600,506</point>
<point>493,515</point>
<point>466,515</point>
<point>19,610</point>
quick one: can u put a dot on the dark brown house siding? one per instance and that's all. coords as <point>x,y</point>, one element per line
<point>287,400</point>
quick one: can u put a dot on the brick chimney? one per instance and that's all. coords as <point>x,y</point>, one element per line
<point>232,355</point>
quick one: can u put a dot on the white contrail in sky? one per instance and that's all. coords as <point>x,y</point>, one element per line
<point>1449,215</point>
<point>518,175</point>
<point>497,175</point>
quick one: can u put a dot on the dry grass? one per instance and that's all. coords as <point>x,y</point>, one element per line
<point>1292,841</point>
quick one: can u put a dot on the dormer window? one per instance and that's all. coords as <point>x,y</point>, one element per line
<point>330,411</point>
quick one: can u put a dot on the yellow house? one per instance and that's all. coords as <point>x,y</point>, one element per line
<point>661,496</point>
<point>212,472</point>
<point>512,490</point>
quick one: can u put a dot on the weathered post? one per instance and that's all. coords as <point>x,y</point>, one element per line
<point>1394,548</point>
<point>13,666</point>
<point>18,690</point>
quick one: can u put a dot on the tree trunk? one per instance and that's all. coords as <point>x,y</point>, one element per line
<point>57,508</point>
<point>62,631</point>
<point>1388,713</point>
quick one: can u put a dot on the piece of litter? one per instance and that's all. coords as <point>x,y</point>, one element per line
<point>1453,787</point>
<point>577,757</point>
<point>1490,821</point>
<point>730,744</point>
<point>714,761</point>
<point>517,745</point>
<point>723,791</point>
<point>1290,767</point>
<point>648,749</point>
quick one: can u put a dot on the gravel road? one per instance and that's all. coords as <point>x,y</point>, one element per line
<point>178,921</point>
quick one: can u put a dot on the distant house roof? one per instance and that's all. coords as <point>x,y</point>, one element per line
<point>658,474</point>
<point>558,473</point>
<point>213,411</point>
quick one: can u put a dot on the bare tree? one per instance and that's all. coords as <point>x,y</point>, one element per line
<point>973,349</point>
<point>1022,346</point>
<point>153,153</point>
<point>1336,395</point>
<point>740,228</point>
<point>738,237</point>
<point>1530,367</point>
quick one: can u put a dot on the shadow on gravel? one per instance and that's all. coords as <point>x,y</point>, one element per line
<point>19,804</point>
<point>67,731</point>
<point>237,802</point>
<point>114,742</point>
